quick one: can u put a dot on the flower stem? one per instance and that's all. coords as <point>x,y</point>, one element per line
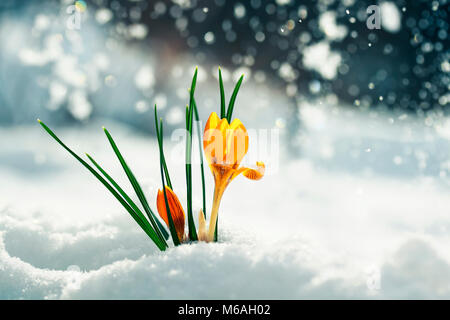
<point>218,192</point>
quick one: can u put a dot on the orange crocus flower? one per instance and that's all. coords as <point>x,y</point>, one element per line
<point>225,146</point>
<point>175,208</point>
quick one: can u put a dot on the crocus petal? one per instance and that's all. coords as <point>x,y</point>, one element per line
<point>201,226</point>
<point>251,173</point>
<point>176,210</point>
<point>236,143</point>
<point>212,123</point>
<point>213,142</point>
<point>222,153</point>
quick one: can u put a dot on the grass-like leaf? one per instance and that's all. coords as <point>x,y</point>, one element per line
<point>140,220</point>
<point>191,224</point>
<point>200,148</point>
<point>165,173</point>
<point>222,96</point>
<point>160,230</point>
<point>160,144</point>
<point>173,231</point>
<point>216,231</point>
<point>233,99</point>
<point>119,189</point>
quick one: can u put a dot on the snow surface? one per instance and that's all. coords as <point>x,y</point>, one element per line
<point>360,211</point>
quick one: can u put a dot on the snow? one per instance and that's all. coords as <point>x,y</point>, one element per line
<point>390,17</point>
<point>138,31</point>
<point>340,221</point>
<point>328,25</point>
<point>103,15</point>
<point>320,58</point>
<point>145,79</point>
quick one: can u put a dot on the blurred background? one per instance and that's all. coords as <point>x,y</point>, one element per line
<point>117,58</point>
<point>74,63</point>
<point>363,116</point>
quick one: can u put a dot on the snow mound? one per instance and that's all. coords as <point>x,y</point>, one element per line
<point>117,263</point>
<point>106,262</point>
<point>363,213</point>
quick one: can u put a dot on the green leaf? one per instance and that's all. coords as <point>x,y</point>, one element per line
<point>191,224</point>
<point>173,231</point>
<point>160,141</point>
<point>233,99</point>
<point>137,188</point>
<point>222,96</point>
<point>202,170</point>
<point>143,223</point>
<point>119,189</point>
